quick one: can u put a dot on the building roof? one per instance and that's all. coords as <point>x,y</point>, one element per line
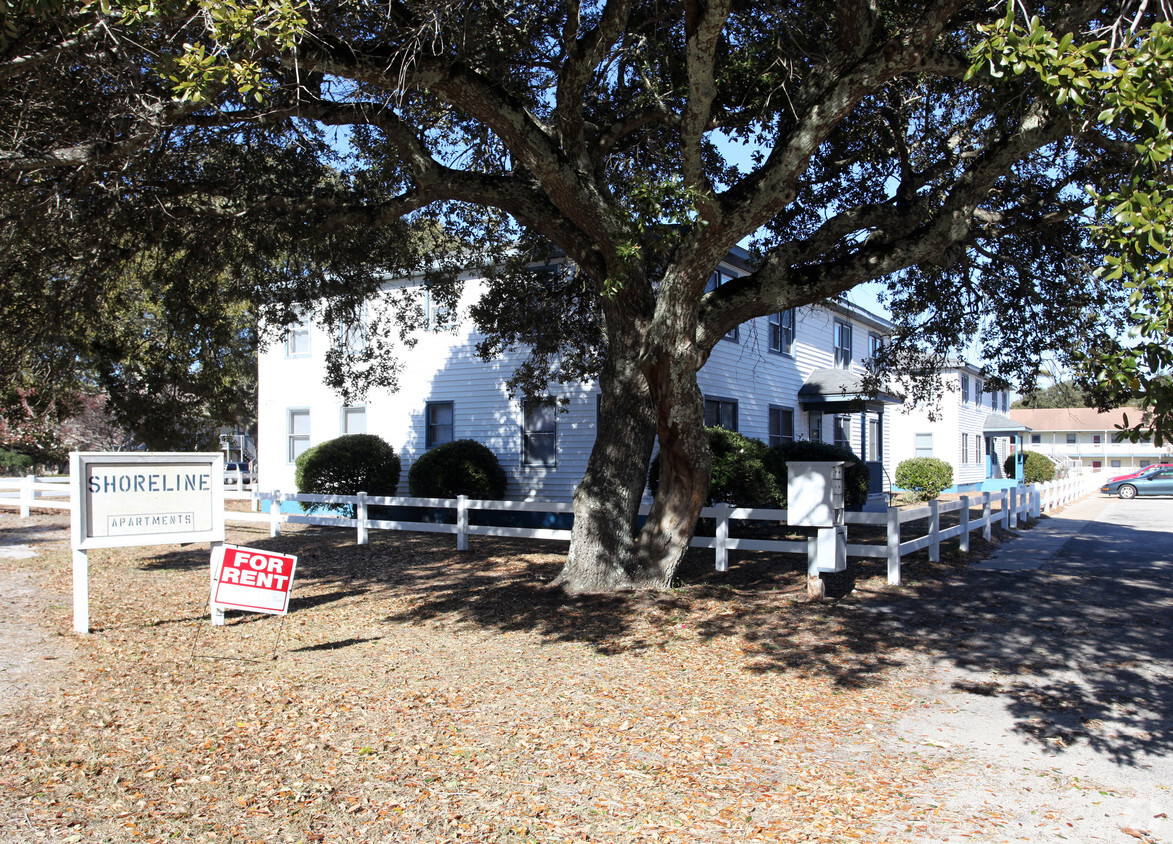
<point>824,386</point>
<point>996,423</point>
<point>1075,418</point>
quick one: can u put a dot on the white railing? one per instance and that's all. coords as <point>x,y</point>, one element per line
<point>30,491</point>
<point>1004,509</point>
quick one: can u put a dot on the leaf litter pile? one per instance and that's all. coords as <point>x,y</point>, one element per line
<point>419,694</point>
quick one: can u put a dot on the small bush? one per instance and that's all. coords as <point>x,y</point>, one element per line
<point>856,477</point>
<point>926,476</point>
<point>348,465</point>
<point>15,463</point>
<point>461,467</point>
<point>739,474</point>
<point>1037,468</point>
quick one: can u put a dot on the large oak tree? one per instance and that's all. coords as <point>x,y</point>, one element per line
<point>955,150</point>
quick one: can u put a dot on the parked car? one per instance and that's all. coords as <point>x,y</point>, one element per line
<point>1152,468</point>
<point>238,471</point>
<point>1156,482</point>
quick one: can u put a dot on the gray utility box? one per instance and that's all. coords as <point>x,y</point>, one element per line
<point>814,493</point>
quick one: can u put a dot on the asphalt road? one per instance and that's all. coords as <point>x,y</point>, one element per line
<point>1054,663</point>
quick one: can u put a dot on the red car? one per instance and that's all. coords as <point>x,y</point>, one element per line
<point>1140,472</point>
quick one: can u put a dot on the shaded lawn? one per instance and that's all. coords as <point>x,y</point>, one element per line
<point>423,695</point>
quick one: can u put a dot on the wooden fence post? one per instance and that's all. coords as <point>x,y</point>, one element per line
<point>722,537</point>
<point>275,514</point>
<point>1004,500</point>
<point>987,528</point>
<point>963,539</point>
<point>360,515</point>
<point>934,531</point>
<point>462,523</point>
<point>27,495</point>
<point>893,546</point>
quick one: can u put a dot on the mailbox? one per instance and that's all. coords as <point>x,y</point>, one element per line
<point>814,493</point>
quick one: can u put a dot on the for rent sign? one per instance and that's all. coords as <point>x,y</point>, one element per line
<point>148,499</point>
<point>252,579</point>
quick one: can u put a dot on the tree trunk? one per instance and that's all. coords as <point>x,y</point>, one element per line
<point>606,503</point>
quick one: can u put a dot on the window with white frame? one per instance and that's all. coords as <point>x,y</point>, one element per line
<point>354,420</point>
<point>539,433</point>
<point>873,440</point>
<point>965,389</point>
<point>924,445</point>
<point>1036,439</point>
<point>297,341</point>
<point>964,447</point>
<point>841,339</point>
<point>841,430</point>
<point>875,343</point>
<point>439,425</point>
<point>782,332</point>
<point>718,278</point>
<point>438,303</point>
<point>781,425</point>
<point>978,456</point>
<point>814,426</point>
<point>977,392</point>
<point>1115,464</point>
<point>353,334</point>
<point>298,424</point>
<point>719,411</point>
<point>1073,439</point>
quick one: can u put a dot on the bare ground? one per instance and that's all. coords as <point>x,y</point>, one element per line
<point>418,694</point>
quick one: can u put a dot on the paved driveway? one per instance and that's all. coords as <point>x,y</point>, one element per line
<point>1055,680</point>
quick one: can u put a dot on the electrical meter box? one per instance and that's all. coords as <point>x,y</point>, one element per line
<point>814,493</point>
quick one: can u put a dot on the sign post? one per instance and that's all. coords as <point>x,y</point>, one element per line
<point>125,499</point>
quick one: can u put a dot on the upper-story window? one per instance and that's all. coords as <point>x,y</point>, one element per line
<point>875,343</point>
<point>965,389</point>
<point>439,311</point>
<point>842,342</point>
<point>977,392</point>
<point>354,420</point>
<point>297,341</point>
<point>298,424</point>
<point>721,412</point>
<point>718,278</point>
<point>439,425</point>
<point>782,332</point>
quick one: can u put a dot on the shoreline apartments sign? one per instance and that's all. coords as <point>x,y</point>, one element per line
<point>122,499</point>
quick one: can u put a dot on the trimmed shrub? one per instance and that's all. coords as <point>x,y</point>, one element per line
<point>739,474</point>
<point>1036,469</point>
<point>348,465</point>
<point>856,477</point>
<point>926,476</point>
<point>461,467</point>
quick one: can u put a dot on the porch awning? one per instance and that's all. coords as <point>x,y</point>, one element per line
<point>996,423</point>
<point>838,386</point>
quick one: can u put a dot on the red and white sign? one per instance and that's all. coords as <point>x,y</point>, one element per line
<point>256,580</point>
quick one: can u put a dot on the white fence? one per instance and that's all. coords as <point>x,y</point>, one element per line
<point>1003,508</point>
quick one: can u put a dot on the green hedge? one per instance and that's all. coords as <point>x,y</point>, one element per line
<point>926,476</point>
<point>461,467</point>
<point>15,463</point>
<point>1037,468</point>
<point>345,466</point>
<point>739,474</point>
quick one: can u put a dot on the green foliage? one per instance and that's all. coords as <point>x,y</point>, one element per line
<point>15,463</point>
<point>856,476</point>
<point>1059,394</point>
<point>348,465</point>
<point>1037,468</point>
<point>739,474</point>
<point>461,467</point>
<point>926,476</point>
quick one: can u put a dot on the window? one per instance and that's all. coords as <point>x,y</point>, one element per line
<point>718,278</point>
<point>781,425</point>
<point>721,412</point>
<point>354,420</point>
<point>814,425</point>
<point>977,448</point>
<point>782,332</point>
<point>1144,464</point>
<point>842,342</point>
<point>299,432</point>
<point>539,433</point>
<point>977,392</point>
<point>1096,439</point>
<point>1036,439</point>
<point>1072,439</point>
<point>353,333</point>
<point>297,341</point>
<point>965,448</point>
<point>965,389</point>
<point>1005,400</point>
<point>439,428</point>
<point>439,310</point>
<point>841,428</point>
<point>875,343</point>
<point>924,445</point>
<point>1115,464</point>
<point>873,440</point>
